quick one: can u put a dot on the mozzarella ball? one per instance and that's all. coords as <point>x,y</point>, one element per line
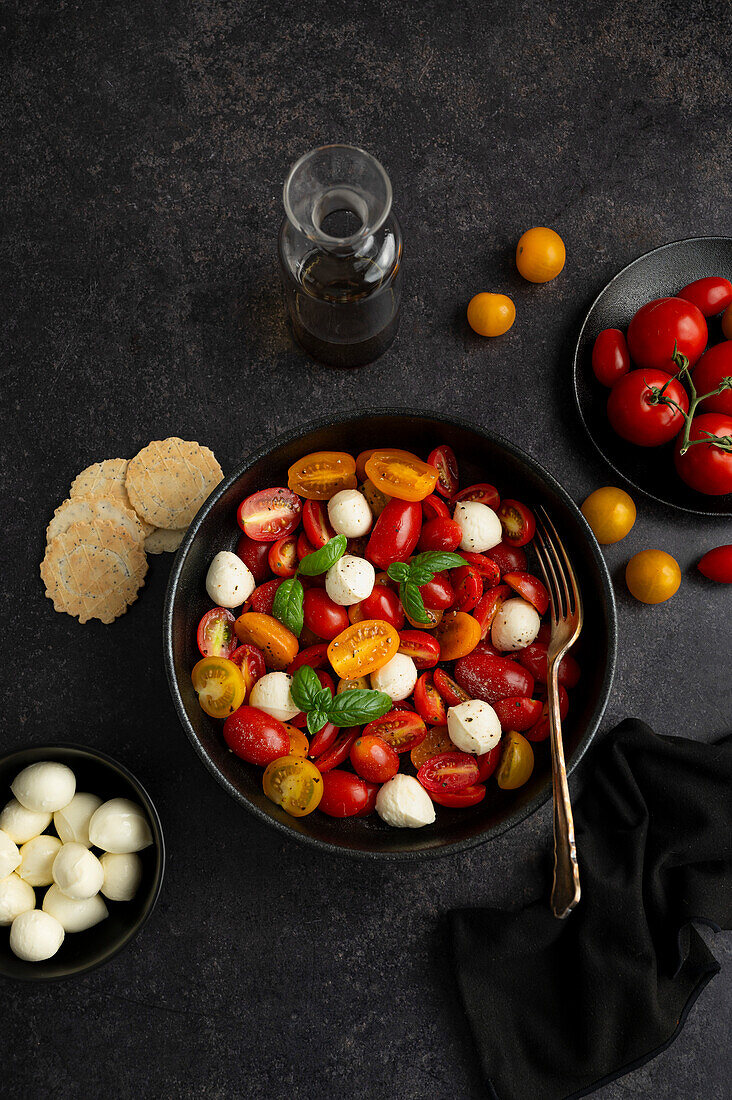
<point>396,678</point>
<point>349,513</point>
<point>120,826</point>
<point>74,914</point>
<point>9,855</point>
<point>21,824</point>
<point>473,726</point>
<point>350,580</point>
<point>122,875</point>
<point>72,823</point>
<point>515,626</point>
<point>35,936</point>
<point>44,787</point>
<point>77,872</point>
<point>229,581</point>
<point>271,693</point>
<point>16,897</point>
<point>36,860</point>
<point>479,524</point>
<point>404,803</point>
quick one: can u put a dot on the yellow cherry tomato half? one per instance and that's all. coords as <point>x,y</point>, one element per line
<point>362,648</point>
<point>458,635</point>
<point>610,513</point>
<point>727,323</point>
<point>319,476</point>
<point>359,684</point>
<point>299,744</point>
<point>278,644</point>
<point>437,741</point>
<point>517,762</point>
<point>652,576</point>
<point>219,685</point>
<point>401,474</point>
<point>491,314</point>
<point>294,784</point>
<point>540,254</point>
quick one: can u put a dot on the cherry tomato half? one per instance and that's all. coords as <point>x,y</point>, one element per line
<point>451,692</point>
<point>269,514</point>
<point>322,615</point>
<point>219,686</point>
<point>402,729</point>
<point>373,759</point>
<point>458,800</point>
<point>488,607</point>
<point>319,476</point>
<point>705,467</point>
<point>530,588</point>
<point>255,556</point>
<point>610,356</point>
<point>346,795</point>
<point>383,603</point>
<point>316,656</point>
<point>255,736</point>
<point>323,740</point>
<point>434,507</point>
<point>541,729</point>
<point>450,771</point>
<point>438,593</point>
<point>716,564</point>
<point>294,784</point>
<point>517,762</point>
<point>440,533</point>
<point>714,366</point>
<point>428,702</point>
<point>490,678</point>
<point>444,461</point>
<point>338,752</point>
<point>250,662</point>
<point>362,648</point>
<point>509,559</point>
<point>422,647</point>
<point>635,413</point>
<point>518,713</point>
<point>660,324</point>
<point>283,556</point>
<point>278,644</point>
<point>215,635</point>
<point>458,635</point>
<point>517,521</point>
<point>482,493</point>
<point>436,741</point>
<point>304,546</point>
<point>710,295</point>
<point>488,762</point>
<point>468,585</point>
<point>262,598</point>
<point>299,744</point>
<point>395,533</point>
<point>485,567</point>
<point>402,475</point>
<point>316,523</point>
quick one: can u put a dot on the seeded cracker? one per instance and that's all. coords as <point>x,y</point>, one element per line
<point>161,541</point>
<point>168,481</point>
<point>106,479</point>
<point>89,509</point>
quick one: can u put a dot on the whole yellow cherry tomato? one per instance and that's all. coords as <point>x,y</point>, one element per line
<point>294,784</point>
<point>219,685</point>
<point>517,762</point>
<point>540,254</point>
<point>610,513</point>
<point>727,323</point>
<point>491,314</point>
<point>652,576</point>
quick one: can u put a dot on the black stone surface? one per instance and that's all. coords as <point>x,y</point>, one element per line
<point>143,150</point>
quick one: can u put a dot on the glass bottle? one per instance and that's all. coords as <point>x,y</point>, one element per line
<point>340,252</point>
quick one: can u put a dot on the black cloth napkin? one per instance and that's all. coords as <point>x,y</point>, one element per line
<point>558,1008</point>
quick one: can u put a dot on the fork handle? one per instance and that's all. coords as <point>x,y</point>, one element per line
<point>566,887</point>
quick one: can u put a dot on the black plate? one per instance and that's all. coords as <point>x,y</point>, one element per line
<point>482,457</point>
<point>82,951</point>
<point>658,274</point>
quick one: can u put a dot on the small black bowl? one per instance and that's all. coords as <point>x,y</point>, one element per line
<point>482,457</point>
<point>83,951</point>
<point>657,274</point>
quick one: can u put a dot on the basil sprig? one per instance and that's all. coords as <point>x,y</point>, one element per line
<point>350,708</point>
<point>421,570</point>
<point>290,595</point>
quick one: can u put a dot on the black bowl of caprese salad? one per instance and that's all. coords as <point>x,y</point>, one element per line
<point>355,636</point>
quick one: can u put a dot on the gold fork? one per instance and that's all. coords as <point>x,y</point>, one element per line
<point>566,620</point>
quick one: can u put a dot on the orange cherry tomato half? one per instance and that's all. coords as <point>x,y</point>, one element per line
<point>436,741</point>
<point>402,729</point>
<point>219,685</point>
<point>364,456</point>
<point>278,644</point>
<point>319,476</point>
<point>517,762</point>
<point>362,648</point>
<point>294,784</point>
<point>299,744</point>
<point>458,635</point>
<point>401,474</point>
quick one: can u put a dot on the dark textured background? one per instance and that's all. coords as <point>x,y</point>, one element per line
<point>143,151</point>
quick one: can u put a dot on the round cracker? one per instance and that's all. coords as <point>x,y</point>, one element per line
<point>164,541</point>
<point>90,509</point>
<point>107,479</point>
<point>93,570</point>
<point>168,481</point>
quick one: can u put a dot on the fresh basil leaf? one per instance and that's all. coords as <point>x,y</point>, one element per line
<point>413,603</point>
<point>288,605</point>
<point>316,721</point>
<point>420,574</point>
<point>323,699</point>
<point>305,687</point>
<point>438,560</point>
<point>320,561</point>
<point>351,708</point>
<point>398,571</point>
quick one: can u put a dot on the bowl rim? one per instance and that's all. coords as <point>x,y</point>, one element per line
<point>576,367</point>
<point>291,436</point>
<point>97,756</point>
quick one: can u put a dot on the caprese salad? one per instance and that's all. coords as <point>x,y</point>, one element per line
<point>377,641</point>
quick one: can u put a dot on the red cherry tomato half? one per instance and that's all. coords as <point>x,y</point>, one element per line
<point>610,357</point>
<point>316,656</point>
<point>423,648</point>
<point>458,800</point>
<point>346,795</point>
<point>710,296</point>
<point>323,740</point>
<point>540,731</point>
<point>448,771</point>
<point>440,533</point>
<point>716,564</point>
<point>492,678</point>
<point>714,366</point>
<point>395,533</point>
<point>482,493</point>
<point>323,616</point>
<point>283,556</point>
<point>518,714</point>
<point>488,762</point>
<point>338,752</point>
<point>255,736</point>
<point>534,658</point>
<point>269,514</point>
<point>484,566</point>
<point>215,636</point>
<point>517,521</point>
<point>451,692</point>
<point>660,324</point>
<point>530,588</point>
<point>468,586</point>
<point>255,556</point>
<point>488,607</point>
<point>438,593</point>
<point>373,759</point>
<point>304,546</point>
<point>429,703</point>
<point>444,461</point>
<point>509,559</point>
<point>704,467</point>
<point>637,416</point>
<point>262,598</point>
<point>250,661</point>
<point>402,729</point>
<point>316,523</point>
<point>383,603</point>
<point>433,507</point>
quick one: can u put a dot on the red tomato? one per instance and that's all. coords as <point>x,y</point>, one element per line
<point>716,564</point>
<point>438,593</point>
<point>482,493</point>
<point>540,731</point>
<point>255,556</point>
<point>448,689</point>
<point>383,603</point>
<point>250,661</point>
<point>637,417</point>
<point>395,533</point>
<point>269,514</point>
<point>530,588</point>
<point>423,648</point>
<point>660,324</point>
<point>468,796</point>
<point>488,607</point>
<point>428,701</point>
<point>710,295</point>
<point>517,521</point>
<point>304,546</point>
<point>488,762</point>
<point>448,771</point>
<point>492,678</point>
<point>433,507</point>
<point>373,759</point>
<point>468,587</point>
<point>345,795</point>
<point>215,636</point>
<point>315,655</point>
<point>484,566</point>
<point>440,534</point>
<point>534,658</point>
<point>714,366</point>
<point>255,736</point>
<point>316,523</point>
<point>262,598</point>
<point>283,556</point>
<point>338,752</point>
<point>704,467</point>
<point>518,714</point>
<point>610,358</point>
<point>323,740</point>
<point>444,461</point>
<point>402,729</point>
<point>509,559</point>
<point>323,616</point>
<point>326,680</point>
